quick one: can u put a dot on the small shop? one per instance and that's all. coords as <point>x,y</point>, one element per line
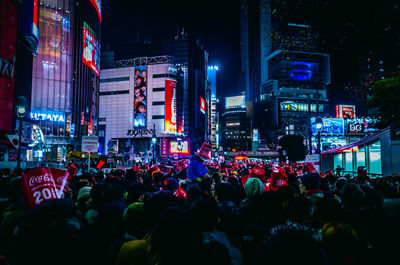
<point>379,152</point>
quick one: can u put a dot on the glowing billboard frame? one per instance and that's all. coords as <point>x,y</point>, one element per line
<point>97,6</point>
<point>170,106</point>
<point>91,49</point>
<point>184,143</point>
<point>140,98</point>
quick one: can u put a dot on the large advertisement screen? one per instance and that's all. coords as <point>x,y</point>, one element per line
<point>97,5</point>
<point>91,49</point>
<point>345,111</point>
<point>170,106</point>
<point>294,106</point>
<point>329,126</point>
<point>140,97</point>
<point>8,44</point>
<point>235,102</point>
<point>181,147</point>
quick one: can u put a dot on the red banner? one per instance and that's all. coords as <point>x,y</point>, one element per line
<point>38,186</point>
<point>170,106</point>
<point>8,48</point>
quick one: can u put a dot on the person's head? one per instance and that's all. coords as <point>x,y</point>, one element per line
<point>311,181</point>
<point>205,211</point>
<point>141,108</point>
<point>291,246</point>
<point>207,185</point>
<point>143,88</point>
<point>224,192</point>
<point>139,80</point>
<point>175,230</point>
<point>135,221</point>
<point>340,242</point>
<point>137,72</point>
<point>135,192</point>
<point>253,188</point>
<point>353,197</point>
<point>137,91</point>
<point>144,73</point>
<point>141,97</point>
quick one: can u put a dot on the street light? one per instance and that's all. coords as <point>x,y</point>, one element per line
<point>318,125</point>
<point>21,107</point>
<point>154,141</point>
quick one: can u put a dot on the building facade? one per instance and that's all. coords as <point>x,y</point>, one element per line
<point>235,125</point>
<point>138,100</point>
<point>66,73</point>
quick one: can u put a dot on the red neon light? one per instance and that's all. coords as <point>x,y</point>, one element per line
<point>97,5</point>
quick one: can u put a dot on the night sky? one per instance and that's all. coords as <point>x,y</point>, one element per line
<point>347,30</point>
<point>215,22</point>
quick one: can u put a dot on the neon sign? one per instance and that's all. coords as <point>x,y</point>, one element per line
<point>38,116</point>
<point>91,49</point>
<point>302,71</point>
<point>97,5</point>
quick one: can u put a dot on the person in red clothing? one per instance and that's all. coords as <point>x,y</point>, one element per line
<point>276,180</point>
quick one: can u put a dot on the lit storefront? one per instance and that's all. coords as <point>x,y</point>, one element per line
<point>379,152</point>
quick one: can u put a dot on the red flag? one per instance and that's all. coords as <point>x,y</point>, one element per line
<point>61,179</point>
<point>38,186</point>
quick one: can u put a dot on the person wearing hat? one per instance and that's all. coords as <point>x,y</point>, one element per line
<point>82,201</point>
<point>196,168</point>
<point>311,186</point>
<point>276,180</point>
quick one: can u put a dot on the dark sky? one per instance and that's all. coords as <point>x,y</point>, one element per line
<point>215,22</point>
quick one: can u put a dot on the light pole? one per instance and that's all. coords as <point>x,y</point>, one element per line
<point>21,113</point>
<point>154,141</point>
<point>318,125</point>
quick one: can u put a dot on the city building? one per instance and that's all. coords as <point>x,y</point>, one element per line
<point>18,44</point>
<point>65,75</point>
<point>138,102</point>
<point>213,117</point>
<point>281,72</point>
<point>191,60</point>
<point>235,125</point>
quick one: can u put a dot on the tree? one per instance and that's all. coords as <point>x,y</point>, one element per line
<point>386,97</point>
<point>294,146</point>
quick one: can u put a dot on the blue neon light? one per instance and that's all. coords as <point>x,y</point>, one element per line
<point>302,72</point>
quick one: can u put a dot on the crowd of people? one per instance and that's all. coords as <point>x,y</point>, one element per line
<point>204,213</point>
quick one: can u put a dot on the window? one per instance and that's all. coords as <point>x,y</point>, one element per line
<point>108,93</point>
<point>158,117</point>
<point>117,79</point>
<point>164,75</point>
<point>158,89</point>
<point>155,103</point>
<point>375,166</point>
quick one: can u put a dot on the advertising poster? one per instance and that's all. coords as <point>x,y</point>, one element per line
<point>8,43</point>
<point>170,106</point>
<point>91,49</point>
<point>329,126</point>
<point>179,147</point>
<point>140,98</point>
<point>235,102</point>
<point>97,5</point>
<point>202,105</point>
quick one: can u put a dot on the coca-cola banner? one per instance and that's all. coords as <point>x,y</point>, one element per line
<point>43,184</point>
<point>170,106</point>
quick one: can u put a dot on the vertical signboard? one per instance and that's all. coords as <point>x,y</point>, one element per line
<point>345,111</point>
<point>202,105</point>
<point>140,97</point>
<point>170,106</point>
<point>8,41</point>
<point>91,49</point>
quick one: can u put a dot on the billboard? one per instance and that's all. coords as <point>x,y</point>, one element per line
<point>181,147</point>
<point>170,106</point>
<point>202,105</point>
<point>91,49</point>
<point>8,44</point>
<point>294,106</point>
<point>97,5</point>
<point>345,111</point>
<point>329,126</point>
<point>140,98</point>
<point>361,125</point>
<point>235,102</point>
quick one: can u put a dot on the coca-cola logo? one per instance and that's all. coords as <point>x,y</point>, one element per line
<point>39,179</point>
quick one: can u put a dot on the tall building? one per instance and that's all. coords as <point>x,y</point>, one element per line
<point>66,73</point>
<point>191,60</point>
<point>235,125</point>
<point>138,99</point>
<point>280,68</point>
